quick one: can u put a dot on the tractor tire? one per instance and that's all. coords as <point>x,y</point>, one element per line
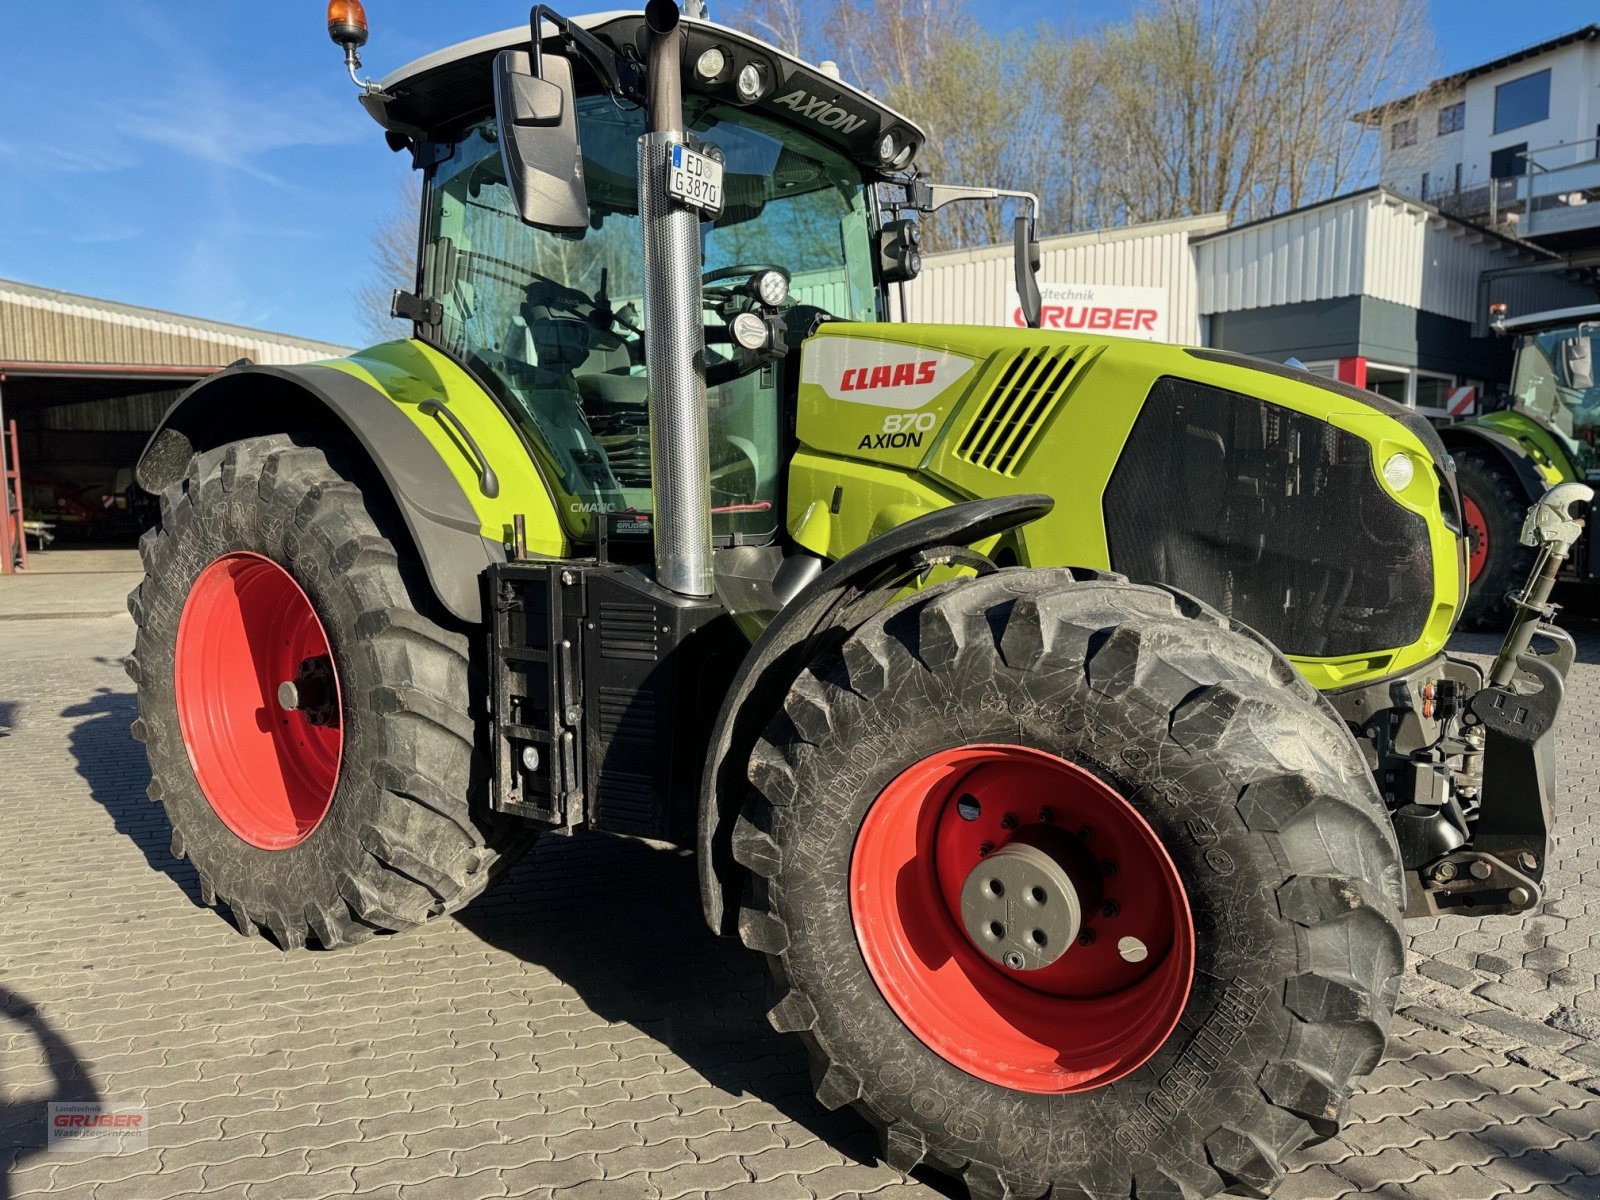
<point>1237,879</point>
<point>1493,508</point>
<point>310,727</point>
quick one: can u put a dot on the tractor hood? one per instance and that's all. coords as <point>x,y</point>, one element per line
<point>1320,514</point>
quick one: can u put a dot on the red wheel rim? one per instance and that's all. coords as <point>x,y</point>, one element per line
<point>1080,1023</point>
<point>267,771</point>
<point>1477,537</point>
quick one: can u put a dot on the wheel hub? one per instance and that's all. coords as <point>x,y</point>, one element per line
<point>1021,904</point>
<point>312,692</point>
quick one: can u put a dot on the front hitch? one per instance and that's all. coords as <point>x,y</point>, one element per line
<point>1503,870</point>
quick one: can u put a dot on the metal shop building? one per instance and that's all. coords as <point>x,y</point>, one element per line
<point>83,381</point>
<point>1373,288</point>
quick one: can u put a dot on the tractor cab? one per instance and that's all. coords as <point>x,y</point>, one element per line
<point>548,313</point>
<point>1554,380</point>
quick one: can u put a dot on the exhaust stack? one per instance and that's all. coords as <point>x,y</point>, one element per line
<point>675,346</point>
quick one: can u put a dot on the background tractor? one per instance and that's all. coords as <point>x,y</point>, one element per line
<point>1507,458</point>
<point>1065,719</point>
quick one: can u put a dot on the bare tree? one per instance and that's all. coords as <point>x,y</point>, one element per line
<point>393,265</point>
<point>1237,106</point>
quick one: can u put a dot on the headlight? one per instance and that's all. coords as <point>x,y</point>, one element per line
<point>711,63</point>
<point>1398,471</point>
<point>887,148</point>
<point>770,287</point>
<point>749,331</point>
<point>752,82</point>
<point>904,157</point>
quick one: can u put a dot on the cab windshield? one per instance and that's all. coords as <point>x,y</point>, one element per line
<point>1555,381</point>
<point>554,323</point>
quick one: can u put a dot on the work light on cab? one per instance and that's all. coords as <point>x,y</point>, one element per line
<point>751,82</point>
<point>711,64</point>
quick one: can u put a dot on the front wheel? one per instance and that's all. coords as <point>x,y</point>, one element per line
<point>1070,887</point>
<point>1493,507</point>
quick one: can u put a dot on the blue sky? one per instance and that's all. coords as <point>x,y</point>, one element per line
<point>212,159</point>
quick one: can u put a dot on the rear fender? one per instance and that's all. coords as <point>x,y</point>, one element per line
<point>456,535</point>
<point>836,601</point>
<point>1518,462</point>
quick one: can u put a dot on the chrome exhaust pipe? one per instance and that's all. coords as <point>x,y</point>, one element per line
<point>674,335</point>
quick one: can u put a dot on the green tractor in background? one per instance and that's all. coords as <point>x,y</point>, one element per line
<point>1506,459</point>
<point>1067,720</point>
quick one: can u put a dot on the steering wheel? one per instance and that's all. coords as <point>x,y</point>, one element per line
<point>740,271</point>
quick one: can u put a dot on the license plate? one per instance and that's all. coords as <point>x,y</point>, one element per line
<point>695,179</point>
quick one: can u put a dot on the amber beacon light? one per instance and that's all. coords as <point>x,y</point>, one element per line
<point>347,24</point>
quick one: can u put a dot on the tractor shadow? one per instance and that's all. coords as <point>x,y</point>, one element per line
<point>619,920</point>
<point>10,716</point>
<point>114,766</point>
<point>23,1108</point>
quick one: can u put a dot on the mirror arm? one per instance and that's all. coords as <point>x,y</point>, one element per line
<point>621,76</point>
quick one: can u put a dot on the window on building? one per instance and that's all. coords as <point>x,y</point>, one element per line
<point>1509,161</point>
<point>1392,383</point>
<point>1433,390</point>
<point>1403,133</point>
<point>1522,101</point>
<point>1425,180</point>
<point>1452,117</point>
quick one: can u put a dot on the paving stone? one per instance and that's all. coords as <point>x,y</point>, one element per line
<point>493,1054</point>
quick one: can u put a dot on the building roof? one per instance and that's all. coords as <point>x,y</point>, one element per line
<point>41,327</point>
<point>1445,83</point>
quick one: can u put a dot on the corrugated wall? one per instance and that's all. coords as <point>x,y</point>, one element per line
<point>974,287</point>
<point>1315,254</point>
<point>1374,243</point>
<point>39,325</point>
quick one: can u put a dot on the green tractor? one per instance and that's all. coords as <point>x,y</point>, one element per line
<point>1066,719</point>
<point>1507,458</point>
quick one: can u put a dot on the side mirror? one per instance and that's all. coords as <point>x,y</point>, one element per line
<point>1026,254</point>
<point>539,140</point>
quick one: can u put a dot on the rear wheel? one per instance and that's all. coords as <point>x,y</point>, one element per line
<point>1070,887</point>
<point>308,723</point>
<point>1493,507</point>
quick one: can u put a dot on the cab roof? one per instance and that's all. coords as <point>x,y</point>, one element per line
<point>434,96</point>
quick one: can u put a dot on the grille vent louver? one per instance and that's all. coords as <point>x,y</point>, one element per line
<point>1027,389</point>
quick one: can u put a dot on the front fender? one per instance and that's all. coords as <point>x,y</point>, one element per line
<point>365,403</point>
<point>828,605</point>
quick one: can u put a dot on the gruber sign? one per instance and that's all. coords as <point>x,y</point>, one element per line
<point>1101,308</point>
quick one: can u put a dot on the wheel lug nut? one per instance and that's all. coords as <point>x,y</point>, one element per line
<point>1086,938</point>
<point>1110,908</point>
<point>1085,831</point>
<point>1014,960</point>
<point>986,848</point>
<point>1047,816</point>
<point>1108,868</point>
<point>1009,821</point>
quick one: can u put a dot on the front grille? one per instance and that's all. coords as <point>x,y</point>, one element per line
<point>1010,416</point>
<point>1274,517</point>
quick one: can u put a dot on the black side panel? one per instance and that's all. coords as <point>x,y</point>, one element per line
<point>250,401</point>
<point>613,685</point>
<point>1274,517</point>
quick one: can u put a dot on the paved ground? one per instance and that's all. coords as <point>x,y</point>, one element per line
<point>577,1031</point>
